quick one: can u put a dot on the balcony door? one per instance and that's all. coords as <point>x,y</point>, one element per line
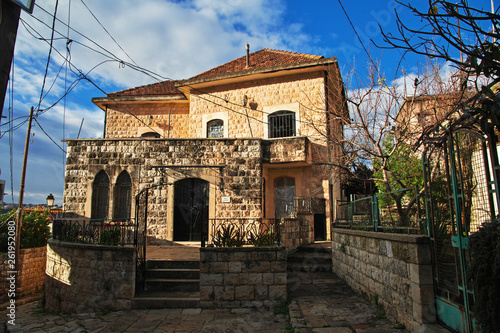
<point>284,197</point>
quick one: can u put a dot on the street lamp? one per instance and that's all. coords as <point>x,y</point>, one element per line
<point>50,200</point>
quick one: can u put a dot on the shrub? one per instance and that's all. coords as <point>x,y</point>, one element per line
<point>484,275</point>
<point>35,229</point>
<point>111,235</point>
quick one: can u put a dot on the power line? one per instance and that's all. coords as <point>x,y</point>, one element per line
<point>48,57</point>
<point>114,40</point>
<point>47,134</point>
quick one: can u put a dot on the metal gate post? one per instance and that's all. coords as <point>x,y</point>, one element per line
<point>375,212</point>
<point>454,155</point>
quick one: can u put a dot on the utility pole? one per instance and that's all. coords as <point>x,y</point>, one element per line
<point>19,219</point>
<point>9,20</point>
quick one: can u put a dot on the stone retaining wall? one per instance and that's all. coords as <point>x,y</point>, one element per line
<point>242,277</point>
<point>84,278</point>
<point>32,272</point>
<point>392,270</point>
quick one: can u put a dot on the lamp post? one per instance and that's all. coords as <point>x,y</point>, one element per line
<point>50,200</point>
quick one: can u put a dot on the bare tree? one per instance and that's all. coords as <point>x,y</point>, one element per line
<point>459,34</point>
<point>387,120</point>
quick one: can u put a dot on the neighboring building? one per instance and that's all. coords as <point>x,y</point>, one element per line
<point>247,139</point>
<point>419,114</point>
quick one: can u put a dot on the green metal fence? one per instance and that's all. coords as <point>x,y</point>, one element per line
<point>397,211</point>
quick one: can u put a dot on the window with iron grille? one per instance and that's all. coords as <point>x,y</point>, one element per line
<point>215,128</point>
<point>123,196</point>
<point>100,196</point>
<point>281,124</point>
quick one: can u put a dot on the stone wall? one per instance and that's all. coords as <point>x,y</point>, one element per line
<point>242,277</point>
<point>32,272</point>
<point>121,124</point>
<point>83,278</point>
<point>393,270</point>
<point>296,232</point>
<point>240,179</point>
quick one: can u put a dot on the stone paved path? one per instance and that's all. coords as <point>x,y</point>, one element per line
<point>322,302</point>
<point>30,318</point>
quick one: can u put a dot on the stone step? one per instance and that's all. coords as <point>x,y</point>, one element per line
<point>301,256</point>
<point>173,273</point>
<point>313,258</point>
<point>310,267</point>
<point>172,264</point>
<point>316,248</point>
<point>166,300</point>
<point>187,285</point>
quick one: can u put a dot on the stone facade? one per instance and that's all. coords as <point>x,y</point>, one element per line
<point>82,278</point>
<point>243,277</point>
<point>32,277</point>
<point>240,178</point>
<point>393,270</point>
<point>243,166</point>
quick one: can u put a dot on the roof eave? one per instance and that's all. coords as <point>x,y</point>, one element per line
<point>102,102</point>
<point>272,69</point>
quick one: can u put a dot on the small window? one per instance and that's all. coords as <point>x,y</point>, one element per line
<point>215,128</point>
<point>281,124</point>
<point>150,135</point>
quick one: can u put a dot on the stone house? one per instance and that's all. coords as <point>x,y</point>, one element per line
<point>252,138</point>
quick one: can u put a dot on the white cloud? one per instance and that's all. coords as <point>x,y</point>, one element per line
<point>175,39</point>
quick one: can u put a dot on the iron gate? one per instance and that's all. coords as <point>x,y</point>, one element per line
<point>459,182</point>
<point>141,218</point>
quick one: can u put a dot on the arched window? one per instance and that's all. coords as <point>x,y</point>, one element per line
<point>150,135</point>
<point>215,128</point>
<point>284,197</point>
<point>100,196</point>
<point>123,197</point>
<point>281,124</point>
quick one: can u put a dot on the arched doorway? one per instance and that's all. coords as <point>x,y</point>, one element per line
<point>190,209</point>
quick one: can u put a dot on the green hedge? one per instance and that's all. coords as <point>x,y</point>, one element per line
<point>484,275</point>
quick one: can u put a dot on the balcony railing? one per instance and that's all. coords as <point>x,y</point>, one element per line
<point>88,231</point>
<point>309,206</point>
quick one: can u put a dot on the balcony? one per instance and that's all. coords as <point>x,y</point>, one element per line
<point>286,150</point>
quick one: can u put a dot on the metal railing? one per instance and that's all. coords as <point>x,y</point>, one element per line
<point>309,206</point>
<point>88,231</point>
<point>380,213</point>
<point>244,232</point>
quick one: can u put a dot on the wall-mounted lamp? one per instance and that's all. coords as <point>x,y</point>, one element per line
<point>244,100</point>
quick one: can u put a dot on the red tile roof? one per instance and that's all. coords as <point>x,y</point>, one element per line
<point>155,89</point>
<point>259,60</point>
<point>263,59</point>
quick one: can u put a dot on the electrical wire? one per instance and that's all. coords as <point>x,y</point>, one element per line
<point>47,134</point>
<point>114,40</point>
<point>48,57</point>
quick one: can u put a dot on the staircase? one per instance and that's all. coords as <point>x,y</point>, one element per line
<point>170,284</point>
<point>315,257</point>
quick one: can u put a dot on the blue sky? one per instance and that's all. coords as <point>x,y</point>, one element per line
<point>171,39</point>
